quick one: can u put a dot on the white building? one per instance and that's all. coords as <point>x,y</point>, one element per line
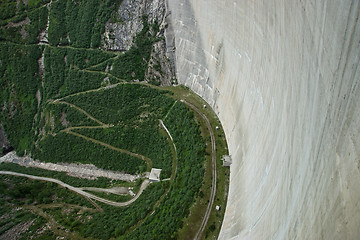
<point>155,175</point>
<point>226,161</point>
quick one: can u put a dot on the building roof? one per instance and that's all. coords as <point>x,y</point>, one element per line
<point>226,160</point>
<point>155,175</point>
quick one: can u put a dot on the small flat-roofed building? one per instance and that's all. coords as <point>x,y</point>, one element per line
<point>155,175</point>
<point>226,160</point>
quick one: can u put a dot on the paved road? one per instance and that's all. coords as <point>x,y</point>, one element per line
<point>81,192</point>
<point>213,157</point>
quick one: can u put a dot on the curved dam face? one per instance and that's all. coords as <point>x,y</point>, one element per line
<point>283,77</point>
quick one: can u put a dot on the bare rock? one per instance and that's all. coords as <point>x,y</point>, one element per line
<point>121,30</point>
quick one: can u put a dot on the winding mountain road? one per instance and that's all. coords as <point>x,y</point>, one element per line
<point>80,191</point>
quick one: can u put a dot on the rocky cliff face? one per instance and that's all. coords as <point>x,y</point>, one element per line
<point>283,77</point>
<point>122,28</point>
<point>127,22</point>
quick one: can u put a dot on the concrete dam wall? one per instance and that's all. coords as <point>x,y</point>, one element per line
<point>283,77</point>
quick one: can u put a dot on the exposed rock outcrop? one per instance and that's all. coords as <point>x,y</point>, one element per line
<point>122,28</point>
<point>127,22</point>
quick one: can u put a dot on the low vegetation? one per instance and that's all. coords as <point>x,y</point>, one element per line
<point>75,149</point>
<point>65,70</point>
<point>20,81</point>
<point>99,221</point>
<point>125,104</point>
<point>143,139</point>
<point>79,23</point>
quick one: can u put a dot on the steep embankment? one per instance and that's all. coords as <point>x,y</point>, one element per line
<point>283,77</point>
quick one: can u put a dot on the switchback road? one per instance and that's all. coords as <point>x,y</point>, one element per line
<point>81,192</point>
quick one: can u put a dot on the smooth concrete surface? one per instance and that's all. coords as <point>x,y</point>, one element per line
<point>283,77</point>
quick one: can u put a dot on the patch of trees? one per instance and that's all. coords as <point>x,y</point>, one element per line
<point>7,9</point>
<point>144,139</point>
<point>85,58</point>
<point>63,73</point>
<point>78,81</point>
<point>66,116</point>
<point>27,32</point>
<point>38,21</point>
<point>11,34</point>
<point>14,11</point>
<point>114,222</point>
<point>76,149</point>
<point>79,23</point>
<point>124,104</point>
<point>19,83</point>
<point>136,108</point>
<point>54,61</point>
